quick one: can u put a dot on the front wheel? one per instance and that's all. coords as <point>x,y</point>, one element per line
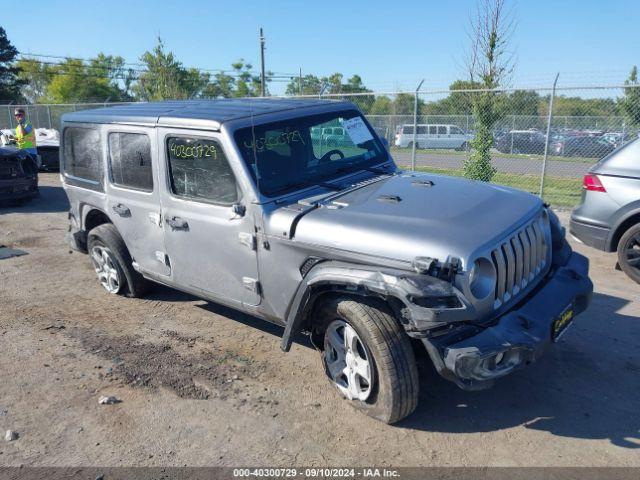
<point>368,358</point>
<point>629,253</point>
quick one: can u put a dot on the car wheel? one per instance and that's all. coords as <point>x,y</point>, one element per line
<point>112,262</point>
<point>368,358</point>
<point>629,253</point>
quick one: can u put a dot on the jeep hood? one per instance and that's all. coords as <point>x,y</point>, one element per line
<point>415,215</point>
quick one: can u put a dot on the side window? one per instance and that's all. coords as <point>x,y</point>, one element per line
<point>130,160</point>
<point>453,130</point>
<point>422,130</point>
<point>432,130</point>
<point>442,130</point>
<point>407,129</point>
<point>199,170</point>
<point>82,154</point>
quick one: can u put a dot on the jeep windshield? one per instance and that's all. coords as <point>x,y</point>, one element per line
<point>291,154</point>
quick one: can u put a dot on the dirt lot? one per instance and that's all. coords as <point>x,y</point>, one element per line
<point>204,385</point>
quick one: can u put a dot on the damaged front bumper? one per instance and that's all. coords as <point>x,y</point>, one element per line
<point>520,336</point>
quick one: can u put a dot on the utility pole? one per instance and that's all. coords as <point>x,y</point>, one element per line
<point>262,86</point>
<point>300,78</point>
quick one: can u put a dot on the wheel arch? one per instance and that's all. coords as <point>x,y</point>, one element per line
<point>92,217</point>
<point>628,220</point>
<point>329,279</point>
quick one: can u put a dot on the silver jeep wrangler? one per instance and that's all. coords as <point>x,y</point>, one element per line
<point>240,202</point>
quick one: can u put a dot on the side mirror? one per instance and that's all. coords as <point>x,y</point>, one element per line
<point>239,209</point>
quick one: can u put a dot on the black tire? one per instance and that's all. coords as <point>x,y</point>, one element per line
<point>629,253</point>
<point>106,235</point>
<point>395,386</point>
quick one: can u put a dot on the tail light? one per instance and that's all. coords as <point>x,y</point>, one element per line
<point>592,183</point>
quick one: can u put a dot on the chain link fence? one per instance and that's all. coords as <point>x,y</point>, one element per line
<point>540,140</point>
<point>44,116</point>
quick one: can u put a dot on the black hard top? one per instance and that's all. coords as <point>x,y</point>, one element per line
<point>209,113</point>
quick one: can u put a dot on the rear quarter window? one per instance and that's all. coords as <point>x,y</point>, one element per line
<point>82,154</point>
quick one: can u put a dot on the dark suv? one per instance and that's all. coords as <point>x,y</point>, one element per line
<point>521,141</point>
<point>18,175</point>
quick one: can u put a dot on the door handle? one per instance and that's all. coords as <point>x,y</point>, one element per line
<point>176,223</point>
<point>122,210</point>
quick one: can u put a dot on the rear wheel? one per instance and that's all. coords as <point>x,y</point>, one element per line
<point>113,263</point>
<point>368,358</point>
<point>629,253</point>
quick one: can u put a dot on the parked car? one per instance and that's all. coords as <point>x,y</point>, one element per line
<point>585,146</point>
<point>433,136</point>
<point>230,201</point>
<point>608,218</point>
<point>48,145</point>
<point>18,175</point>
<point>521,141</point>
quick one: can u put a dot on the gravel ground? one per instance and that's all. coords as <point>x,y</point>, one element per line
<point>200,384</point>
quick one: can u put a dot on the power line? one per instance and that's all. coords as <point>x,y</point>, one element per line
<point>121,73</point>
<point>139,64</point>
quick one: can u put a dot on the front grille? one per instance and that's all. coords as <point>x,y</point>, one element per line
<point>519,259</point>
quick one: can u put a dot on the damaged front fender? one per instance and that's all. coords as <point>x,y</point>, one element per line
<point>423,302</point>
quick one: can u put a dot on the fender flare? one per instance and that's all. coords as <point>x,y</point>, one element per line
<point>363,280</point>
<point>621,216</point>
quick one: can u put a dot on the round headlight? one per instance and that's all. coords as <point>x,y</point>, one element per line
<point>482,278</point>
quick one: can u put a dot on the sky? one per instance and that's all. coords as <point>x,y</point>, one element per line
<point>391,45</point>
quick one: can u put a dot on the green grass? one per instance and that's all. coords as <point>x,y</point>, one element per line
<point>559,192</point>
<point>496,154</point>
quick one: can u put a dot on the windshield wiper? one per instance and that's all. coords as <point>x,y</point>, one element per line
<point>301,185</point>
<point>382,169</point>
<point>354,169</point>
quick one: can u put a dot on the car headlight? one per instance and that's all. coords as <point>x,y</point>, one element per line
<point>482,278</point>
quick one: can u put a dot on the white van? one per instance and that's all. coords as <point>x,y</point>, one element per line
<point>432,136</point>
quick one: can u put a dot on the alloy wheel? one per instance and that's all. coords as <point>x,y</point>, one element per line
<point>347,362</point>
<point>632,252</point>
<point>105,267</point>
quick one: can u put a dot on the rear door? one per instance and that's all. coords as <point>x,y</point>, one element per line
<point>211,247</point>
<point>133,194</point>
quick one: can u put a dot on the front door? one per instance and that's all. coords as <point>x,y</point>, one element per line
<point>210,244</point>
<point>133,193</point>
